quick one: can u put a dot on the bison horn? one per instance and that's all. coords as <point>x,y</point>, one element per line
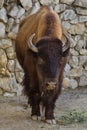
<point>31,45</point>
<point>65,47</point>
<point>69,39</point>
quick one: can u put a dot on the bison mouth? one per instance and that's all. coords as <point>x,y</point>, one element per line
<point>48,88</point>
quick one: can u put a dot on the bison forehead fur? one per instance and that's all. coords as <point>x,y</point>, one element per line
<point>50,51</point>
<point>41,54</point>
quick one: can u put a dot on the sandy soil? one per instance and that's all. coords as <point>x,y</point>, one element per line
<point>71,113</point>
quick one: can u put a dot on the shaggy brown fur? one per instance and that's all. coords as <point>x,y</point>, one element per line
<point>50,59</point>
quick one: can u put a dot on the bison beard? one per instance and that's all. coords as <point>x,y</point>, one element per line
<point>43,59</point>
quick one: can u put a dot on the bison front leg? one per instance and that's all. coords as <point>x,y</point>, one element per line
<point>49,114</point>
<point>35,108</point>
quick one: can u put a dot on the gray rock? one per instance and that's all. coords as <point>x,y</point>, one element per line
<point>4,72</point>
<point>81,3</point>
<point>3,15</point>
<point>19,76</point>
<point>83,79</point>
<point>35,0</point>
<point>48,2</point>
<point>12,35</point>
<point>72,41</point>
<point>5,43</point>
<point>7,2</point>
<point>20,90</point>
<point>73,83</point>
<point>55,1</point>
<point>73,44</point>
<point>35,8</point>
<point>11,53</point>
<point>27,4</point>
<point>66,82</point>
<point>17,66</point>
<point>1,92</point>
<point>81,11</point>
<point>15,28</point>
<point>82,60</point>
<point>76,72</point>
<point>13,12</point>
<point>85,32</point>
<point>17,21</point>
<point>6,84</point>
<point>73,61</point>
<point>20,12</point>
<point>67,67</point>
<point>9,85</point>
<point>10,24</point>
<point>2,30</point>
<point>84,73</point>
<point>57,8</point>
<point>11,65</point>
<point>60,8</point>
<point>6,94</point>
<point>3,59</point>
<point>14,83</point>
<point>80,45</point>
<point>69,2</point>
<point>3,63</point>
<point>77,37</point>
<point>16,11</point>
<point>85,67</point>
<point>74,21</point>
<point>15,87</point>
<point>74,52</point>
<point>66,24</point>
<point>69,15</point>
<point>83,51</point>
<point>77,29</point>
<point>86,23</point>
<point>82,19</point>
<point>1,3</point>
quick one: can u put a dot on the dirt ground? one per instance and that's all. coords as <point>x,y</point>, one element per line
<point>70,112</point>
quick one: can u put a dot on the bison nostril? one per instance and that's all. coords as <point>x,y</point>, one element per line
<point>51,85</point>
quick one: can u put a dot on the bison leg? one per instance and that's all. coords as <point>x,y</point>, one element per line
<point>49,113</point>
<point>35,101</point>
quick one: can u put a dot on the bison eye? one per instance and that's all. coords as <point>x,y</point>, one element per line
<point>40,61</point>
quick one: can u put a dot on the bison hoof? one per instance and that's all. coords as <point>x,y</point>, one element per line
<point>34,117</point>
<point>53,122</point>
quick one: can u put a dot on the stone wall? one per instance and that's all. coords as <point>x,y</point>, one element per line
<point>73,14</point>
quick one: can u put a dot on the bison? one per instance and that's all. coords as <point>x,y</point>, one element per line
<point>42,54</point>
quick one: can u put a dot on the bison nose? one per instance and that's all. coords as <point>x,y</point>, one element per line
<point>51,85</point>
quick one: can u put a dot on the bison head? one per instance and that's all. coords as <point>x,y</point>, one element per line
<point>49,53</point>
